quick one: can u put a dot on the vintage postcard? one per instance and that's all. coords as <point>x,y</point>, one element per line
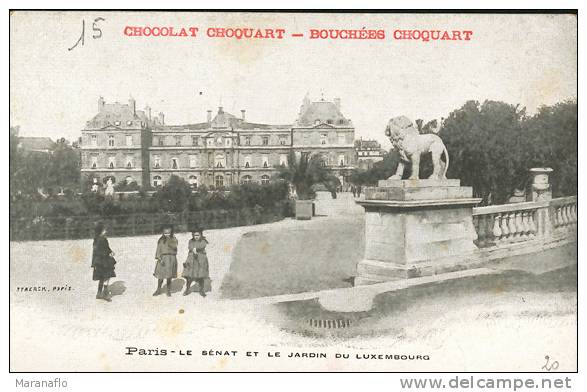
<point>293,191</point>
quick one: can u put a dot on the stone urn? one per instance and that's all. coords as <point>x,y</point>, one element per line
<point>304,209</point>
<point>540,189</point>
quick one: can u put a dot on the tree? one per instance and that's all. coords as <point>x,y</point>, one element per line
<point>550,139</point>
<point>304,172</point>
<point>65,165</point>
<point>379,171</point>
<point>484,143</point>
<point>174,195</point>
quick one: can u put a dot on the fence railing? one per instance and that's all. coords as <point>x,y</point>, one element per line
<point>519,222</point>
<point>78,227</point>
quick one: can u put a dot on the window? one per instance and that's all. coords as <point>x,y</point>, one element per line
<point>161,140</point>
<point>323,138</point>
<point>340,122</point>
<point>247,140</point>
<point>110,140</point>
<point>129,162</point>
<point>317,122</point>
<point>219,161</point>
<point>246,179</point>
<point>111,162</point>
<point>157,162</point>
<point>283,140</point>
<point>341,159</point>
<point>328,121</point>
<point>129,140</point>
<point>129,180</point>
<point>322,162</point>
<point>129,122</point>
<point>157,181</point>
<point>178,140</point>
<point>193,181</point>
<point>264,179</point>
<point>93,140</point>
<point>283,160</point>
<point>228,142</point>
<point>94,161</point>
<point>117,123</point>
<point>174,163</point>
<point>210,141</point>
<point>265,140</point>
<point>247,161</point>
<point>265,161</point>
<point>195,140</point>
<point>341,138</point>
<point>219,181</point>
<point>193,161</point>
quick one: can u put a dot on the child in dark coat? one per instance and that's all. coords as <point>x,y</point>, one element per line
<point>102,262</point>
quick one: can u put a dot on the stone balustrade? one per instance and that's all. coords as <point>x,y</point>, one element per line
<point>536,220</point>
<point>563,213</point>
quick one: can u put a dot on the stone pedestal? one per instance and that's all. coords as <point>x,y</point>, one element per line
<point>416,228</point>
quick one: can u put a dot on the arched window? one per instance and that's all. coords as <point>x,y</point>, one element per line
<point>264,179</point>
<point>246,179</point>
<point>220,160</point>
<point>129,180</point>
<point>157,181</point>
<point>219,181</point>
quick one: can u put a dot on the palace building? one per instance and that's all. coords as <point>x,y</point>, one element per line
<point>126,144</point>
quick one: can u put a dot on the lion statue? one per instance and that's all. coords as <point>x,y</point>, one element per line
<point>411,145</point>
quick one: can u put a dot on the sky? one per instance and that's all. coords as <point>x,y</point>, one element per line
<point>520,59</point>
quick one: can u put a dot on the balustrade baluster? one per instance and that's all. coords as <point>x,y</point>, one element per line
<point>564,216</point>
<point>525,228</point>
<point>512,224</point>
<point>568,216</point>
<point>519,225</point>
<point>505,231</point>
<point>496,227</point>
<point>559,218</point>
<point>532,223</point>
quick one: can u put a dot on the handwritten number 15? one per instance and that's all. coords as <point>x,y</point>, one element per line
<point>97,32</point>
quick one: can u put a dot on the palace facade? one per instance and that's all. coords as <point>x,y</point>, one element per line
<point>129,145</point>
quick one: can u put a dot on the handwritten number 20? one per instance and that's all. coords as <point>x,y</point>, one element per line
<point>550,366</point>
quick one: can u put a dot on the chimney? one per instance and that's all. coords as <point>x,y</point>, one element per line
<point>148,111</point>
<point>133,105</point>
<point>161,118</point>
<point>100,104</point>
<point>209,116</point>
<point>337,103</point>
<point>243,114</point>
<point>220,109</point>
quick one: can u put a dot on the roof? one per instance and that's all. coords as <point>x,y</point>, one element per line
<point>36,143</point>
<point>321,111</point>
<point>118,114</point>
<point>222,120</point>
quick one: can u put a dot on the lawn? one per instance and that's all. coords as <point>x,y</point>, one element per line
<point>319,255</point>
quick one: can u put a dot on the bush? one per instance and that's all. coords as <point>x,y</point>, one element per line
<point>174,195</point>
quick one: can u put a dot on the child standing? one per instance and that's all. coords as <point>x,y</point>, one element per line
<point>102,262</point>
<point>196,264</point>
<point>166,259</point>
